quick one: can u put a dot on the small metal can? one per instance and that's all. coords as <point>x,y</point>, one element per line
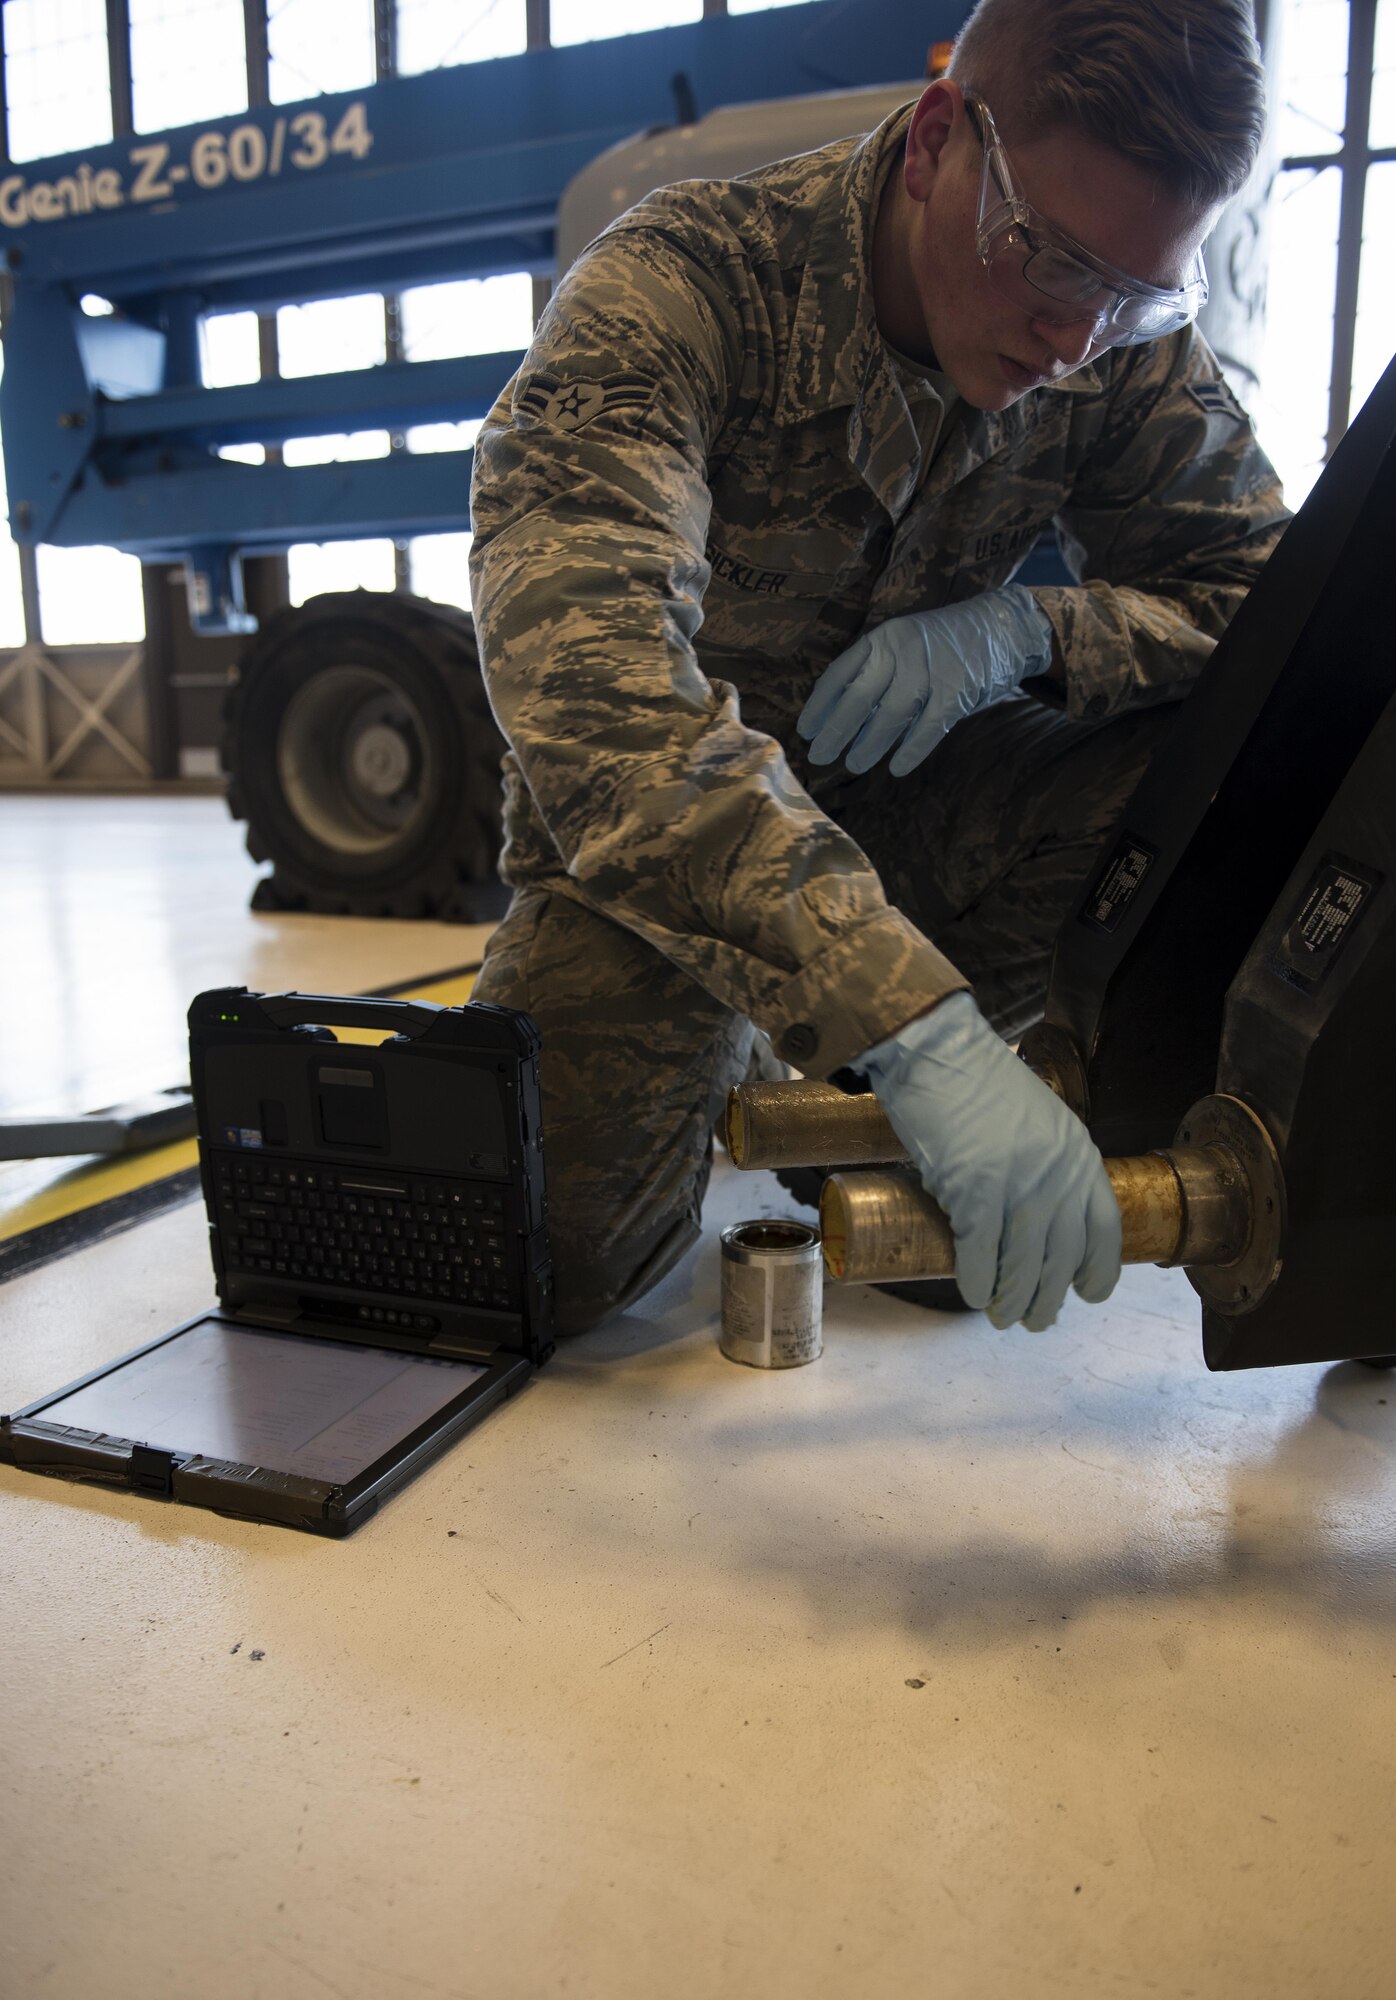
<point>772,1294</point>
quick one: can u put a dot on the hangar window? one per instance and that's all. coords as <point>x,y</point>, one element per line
<point>90,597</point>
<point>586,21</point>
<point>444,437</point>
<point>470,316</point>
<point>56,76</point>
<point>315,567</point>
<point>434,34</point>
<point>339,448</point>
<point>439,568</point>
<point>319,45</point>
<point>58,99</point>
<point>229,350</point>
<point>330,335</point>
<point>1330,309</point>
<point>476,316</point>
<point>325,337</point>
<point>187,61</point>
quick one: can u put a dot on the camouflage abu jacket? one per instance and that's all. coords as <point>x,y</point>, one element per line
<point>707,479</point>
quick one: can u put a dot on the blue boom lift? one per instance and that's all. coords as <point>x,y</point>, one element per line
<point>359,745</point>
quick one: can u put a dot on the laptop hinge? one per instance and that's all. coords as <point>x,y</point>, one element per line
<point>447,1344</point>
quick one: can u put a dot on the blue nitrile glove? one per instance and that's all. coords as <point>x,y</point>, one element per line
<point>1027,1193</point>
<point>909,681</point>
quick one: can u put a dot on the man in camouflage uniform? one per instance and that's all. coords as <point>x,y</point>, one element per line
<point>752,427</point>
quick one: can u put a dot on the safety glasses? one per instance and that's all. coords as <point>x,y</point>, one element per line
<point>1051,276</point>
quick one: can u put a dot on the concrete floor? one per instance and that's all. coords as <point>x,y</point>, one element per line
<point>959,1663</point>
<point>114,912</point>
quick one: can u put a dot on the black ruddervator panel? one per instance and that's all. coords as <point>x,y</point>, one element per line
<point>1210,837</point>
<point>378,1225</point>
<point>1307,1041</point>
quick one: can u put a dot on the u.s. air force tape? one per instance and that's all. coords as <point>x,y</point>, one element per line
<point>567,406</point>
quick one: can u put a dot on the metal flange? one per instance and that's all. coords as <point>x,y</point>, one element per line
<point>1054,1058</point>
<point>1227,1124</point>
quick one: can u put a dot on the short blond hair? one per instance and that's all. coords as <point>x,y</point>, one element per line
<point>1176,86</point>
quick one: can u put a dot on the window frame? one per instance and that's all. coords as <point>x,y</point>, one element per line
<point>1352,160</point>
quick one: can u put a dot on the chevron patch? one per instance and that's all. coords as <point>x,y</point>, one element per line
<point>1215,399</point>
<point>569,406</point>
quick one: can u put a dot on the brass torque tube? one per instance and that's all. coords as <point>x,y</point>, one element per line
<point>1213,1201</point>
<point>807,1124</point>
<point>1185,1206</point>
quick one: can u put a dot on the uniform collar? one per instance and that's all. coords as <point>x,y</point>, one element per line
<point>834,341</point>
<point>838,358</point>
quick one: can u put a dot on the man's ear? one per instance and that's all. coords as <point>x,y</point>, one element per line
<point>939,111</point>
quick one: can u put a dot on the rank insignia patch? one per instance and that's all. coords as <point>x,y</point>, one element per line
<point>1215,399</point>
<point>567,406</point>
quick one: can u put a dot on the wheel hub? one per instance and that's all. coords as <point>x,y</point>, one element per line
<point>355,759</point>
<point>380,761</point>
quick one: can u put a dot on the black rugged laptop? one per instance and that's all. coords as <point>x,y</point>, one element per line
<point>378,1223</point>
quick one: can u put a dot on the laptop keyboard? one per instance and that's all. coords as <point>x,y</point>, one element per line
<point>416,1239</point>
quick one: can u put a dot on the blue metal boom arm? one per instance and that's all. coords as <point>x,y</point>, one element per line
<point>109,436</point>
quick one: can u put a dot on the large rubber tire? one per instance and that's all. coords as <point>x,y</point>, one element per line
<point>360,748</point>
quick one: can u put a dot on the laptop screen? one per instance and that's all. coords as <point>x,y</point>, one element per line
<point>316,1409</point>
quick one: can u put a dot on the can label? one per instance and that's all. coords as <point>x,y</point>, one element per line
<point>772,1300</point>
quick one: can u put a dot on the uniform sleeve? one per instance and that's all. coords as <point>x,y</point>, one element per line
<point>590,507</point>
<point>1172,515</point>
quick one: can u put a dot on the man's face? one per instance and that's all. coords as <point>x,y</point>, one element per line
<point>992,349</point>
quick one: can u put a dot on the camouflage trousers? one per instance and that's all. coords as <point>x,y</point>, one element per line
<point>984,847</point>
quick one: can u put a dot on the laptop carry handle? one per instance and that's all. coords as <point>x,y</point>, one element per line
<point>408,1017</point>
<point>494,1031</point>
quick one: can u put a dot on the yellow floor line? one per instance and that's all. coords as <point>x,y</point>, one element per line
<point>33,1192</point>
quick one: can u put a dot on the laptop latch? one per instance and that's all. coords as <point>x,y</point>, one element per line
<point>151,1471</point>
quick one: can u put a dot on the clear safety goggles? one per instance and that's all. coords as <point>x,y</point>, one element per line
<point>1051,276</point>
